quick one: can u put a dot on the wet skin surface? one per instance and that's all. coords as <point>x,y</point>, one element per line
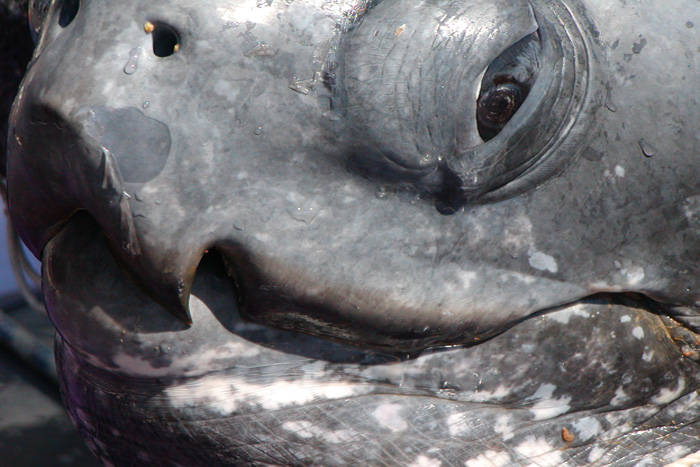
<point>466,232</point>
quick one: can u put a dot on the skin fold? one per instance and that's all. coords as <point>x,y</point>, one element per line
<point>315,232</point>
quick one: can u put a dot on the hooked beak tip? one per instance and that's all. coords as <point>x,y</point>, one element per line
<point>182,312</point>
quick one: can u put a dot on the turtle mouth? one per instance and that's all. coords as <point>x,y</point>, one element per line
<point>103,312</point>
<point>91,289</point>
<point>105,315</point>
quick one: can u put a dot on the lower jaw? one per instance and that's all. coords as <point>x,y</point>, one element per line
<point>269,397</point>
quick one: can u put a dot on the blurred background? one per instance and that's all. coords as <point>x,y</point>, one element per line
<point>34,427</point>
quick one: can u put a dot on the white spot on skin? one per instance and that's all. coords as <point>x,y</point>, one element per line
<point>563,316</point>
<point>490,459</point>
<point>503,427</point>
<point>301,429</point>
<point>625,319</point>
<point>691,208</point>
<point>634,274</point>
<point>305,429</point>
<point>638,332</point>
<point>517,235</point>
<point>667,395</point>
<point>185,365</point>
<point>619,171</point>
<point>620,397</point>
<point>466,278</point>
<point>214,391</point>
<point>424,461</point>
<point>547,407</point>
<point>596,454</point>
<point>388,416</point>
<point>676,453</point>
<point>587,428</point>
<point>489,396</point>
<point>540,452</point>
<point>225,394</point>
<point>684,405</point>
<point>543,262</point>
<point>456,424</point>
<point>648,355</point>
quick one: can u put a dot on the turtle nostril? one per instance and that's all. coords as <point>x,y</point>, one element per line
<point>165,40</point>
<point>69,10</point>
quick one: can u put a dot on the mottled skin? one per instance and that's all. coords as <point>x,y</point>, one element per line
<point>286,241</point>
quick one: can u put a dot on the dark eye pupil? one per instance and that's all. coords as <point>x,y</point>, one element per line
<point>496,107</point>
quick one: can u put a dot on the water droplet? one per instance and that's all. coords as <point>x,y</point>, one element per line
<point>647,148</point>
<point>239,225</point>
<point>305,215</point>
<point>302,86</point>
<point>258,131</point>
<point>133,62</point>
<point>381,192</point>
<point>261,50</point>
<point>145,104</point>
<point>331,116</point>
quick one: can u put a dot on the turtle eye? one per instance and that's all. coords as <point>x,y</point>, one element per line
<point>506,84</point>
<point>497,105</point>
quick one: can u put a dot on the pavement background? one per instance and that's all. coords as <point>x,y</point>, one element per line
<point>34,428</point>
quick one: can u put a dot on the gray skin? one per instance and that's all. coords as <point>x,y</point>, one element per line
<point>288,243</point>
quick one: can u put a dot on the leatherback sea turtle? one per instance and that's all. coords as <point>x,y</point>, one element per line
<point>350,232</point>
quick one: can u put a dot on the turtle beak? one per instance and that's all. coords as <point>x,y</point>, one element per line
<point>59,152</point>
